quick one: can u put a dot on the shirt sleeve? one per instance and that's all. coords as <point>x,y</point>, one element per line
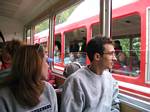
<point>55,102</point>
<point>2,105</point>
<point>116,102</point>
<point>72,99</point>
<point>52,97</point>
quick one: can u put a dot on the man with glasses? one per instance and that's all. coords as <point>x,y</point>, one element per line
<point>92,88</point>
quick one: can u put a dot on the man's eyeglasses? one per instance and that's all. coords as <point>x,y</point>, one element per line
<point>112,53</point>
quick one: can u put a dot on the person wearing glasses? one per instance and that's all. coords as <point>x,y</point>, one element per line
<point>27,91</point>
<point>92,88</point>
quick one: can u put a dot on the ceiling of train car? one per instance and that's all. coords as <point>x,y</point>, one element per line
<point>24,10</point>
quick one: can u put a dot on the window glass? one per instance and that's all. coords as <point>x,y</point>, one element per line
<point>64,15</point>
<point>28,36</point>
<point>42,26</point>
<point>42,33</point>
<point>126,34</point>
<point>57,49</point>
<point>74,38</point>
<point>75,42</point>
<point>95,29</point>
<point>127,55</point>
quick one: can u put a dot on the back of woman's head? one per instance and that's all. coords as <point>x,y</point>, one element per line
<point>26,71</point>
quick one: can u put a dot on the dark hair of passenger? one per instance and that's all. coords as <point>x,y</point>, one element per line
<point>117,42</point>
<point>27,85</point>
<point>96,45</point>
<point>58,45</point>
<point>8,51</point>
<point>71,68</point>
<point>12,46</point>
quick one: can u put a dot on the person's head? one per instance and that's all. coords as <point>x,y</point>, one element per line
<point>28,68</point>
<point>58,45</point>
<point>122,57</point>
<point>117,43</point>
<point>9,50</point>
<point>46,60</point>
<point>100,50</point>
<point>40,49</point>
<point>117,46</point>
<point>71,68</point>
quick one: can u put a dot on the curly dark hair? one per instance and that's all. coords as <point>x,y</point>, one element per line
<point>96,45</point>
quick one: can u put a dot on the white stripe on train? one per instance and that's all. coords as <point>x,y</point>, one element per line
<point>135,87</point>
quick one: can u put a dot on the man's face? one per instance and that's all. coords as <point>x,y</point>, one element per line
<point>108,56</point>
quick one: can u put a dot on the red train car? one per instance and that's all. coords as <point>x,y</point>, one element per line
<point>130,26</point>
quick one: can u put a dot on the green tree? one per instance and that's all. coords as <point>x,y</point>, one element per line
<point>42,26</point>
<point>62,17</point>
<point>136,46</point>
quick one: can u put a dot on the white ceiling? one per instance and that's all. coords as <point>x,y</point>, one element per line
<point>24,10</point>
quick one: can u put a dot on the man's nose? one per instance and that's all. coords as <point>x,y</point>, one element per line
<point>114,58</point>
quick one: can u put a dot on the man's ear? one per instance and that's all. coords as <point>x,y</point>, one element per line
<point>97,56</point>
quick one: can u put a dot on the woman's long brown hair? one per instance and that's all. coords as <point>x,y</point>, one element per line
<point>26,71</point>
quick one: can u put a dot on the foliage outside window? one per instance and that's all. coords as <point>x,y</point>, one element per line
<point>62,17</point>
<point>42,26</point>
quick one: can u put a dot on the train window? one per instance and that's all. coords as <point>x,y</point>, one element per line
<point>64,15</point>
<point>73,37</point>
<point>95,29</point>
<point>125,32</point>
<point>28,36</point>
<point>75,42</point>
<point>57,49</point>
<point>126,35</point>
<point>42,32</point>
<point>42,26</point>
<point>127,55</point>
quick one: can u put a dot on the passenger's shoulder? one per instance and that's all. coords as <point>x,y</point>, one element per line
<point>48,85</point>
<point>76,76</point>
<point>4,92</point>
